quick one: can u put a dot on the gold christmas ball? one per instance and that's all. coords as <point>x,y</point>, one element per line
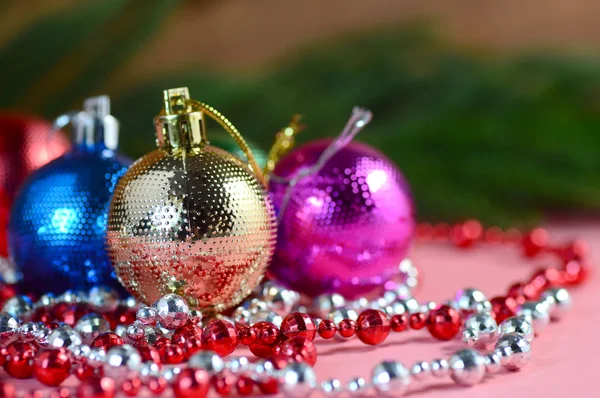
<point>190,218</point>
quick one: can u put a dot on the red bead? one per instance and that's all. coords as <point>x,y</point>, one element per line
<point>247,335</point>
<point>576,272</point>
<point>244,385</point>
<point>327,329</point>
<point>84,371</point>
<point>267,334</point>
<point>444,322</point>
<point>97,387</point>
<point>107,340</point>
<point>513,236</point>
<point>6,292</point>
<point>123,315</point>
<point>441,231</point>
<point>417,320</point>
<point>42,315</point>
<point>192,346</point>
<point>494,235</point>
<point>424,232</point>
<point>539,281</point>
<point>464,235</point>
<point>157,385</point>
<point>221,337</point>
<point>161,345</point>
<point>20,360</point>
<point>261,350</point>
<point>52,367</point>
<point>399,322</point>
<point>131,387</point>
<point>576,250</point>
<point>520,292</point>
<point>149,354</point>
<point>347,328</point>
<point>223,384</point>
<point>191,383</point>
<point>3,355</point>
<point>185,332</point>
<point>299,324</point>
<point>70,313</point>
<point>300,349</point>
<point>269,387</point>
<point>7,390</point>
<point>535,241</point>
<point>60,393</point>
<point>174,354</point>
<point>503,308</point>
<point>373,327</point>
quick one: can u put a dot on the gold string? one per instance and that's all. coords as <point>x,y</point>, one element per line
<point>284,142</point>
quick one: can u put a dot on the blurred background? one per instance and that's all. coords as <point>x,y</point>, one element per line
<point>491,109</point>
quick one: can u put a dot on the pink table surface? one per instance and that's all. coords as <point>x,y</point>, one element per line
<point>565,358</point>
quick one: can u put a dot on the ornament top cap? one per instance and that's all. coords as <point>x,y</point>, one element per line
<point>94,128</point>
<point>179,126</point>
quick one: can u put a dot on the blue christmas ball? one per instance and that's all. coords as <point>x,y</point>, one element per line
<point>58,221</point>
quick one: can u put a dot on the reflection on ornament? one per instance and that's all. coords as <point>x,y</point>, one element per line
<point>58,222</point>
<point>26,144</point>
<point>345,225</point>
<point>191,218</point>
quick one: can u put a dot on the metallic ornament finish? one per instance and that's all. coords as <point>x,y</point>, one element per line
<point>515,351</point>
<point>57,225</point>
<point>9,328</point>
<point>26,144</point>
<point>190,219</point>
<point>390,377</point>
<point>517,324</point>
<point>468,367</point>
<point>480,330</point>
<point>345,229</point>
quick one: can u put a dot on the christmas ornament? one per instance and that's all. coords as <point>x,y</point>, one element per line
<point>190,218</point>
<point>58,221</point>
<point>26,144</point>
<point>345,216</point>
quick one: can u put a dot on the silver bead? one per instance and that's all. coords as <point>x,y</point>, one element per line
<point>171,311</point>
<point>208,361</point>
<point>170,374</point>
<point>537,314</point>
<point>71,296</point>
<point>397,307</point>
<point>356,387</point>
<point>91,326</point>
<point>130,302</point>
<point>148,370</point>
<point>410,272</point>
<point>96,357</point>
<point>558,300</point>
<point>241,315</point>
<point>146,315</point>
<point>152,334</point>
<point>484,328</point>
<point>9,328</point>
<point>81,352</point>
<point>472,300</point>
<point>420,370</point>
<point>440,368</point>
<point>45,300</point>
<point>516,324</point>
<point>256,306</point>
<point>326,303</point>
<point>428,307</point>
<point>343,313</point>
<point>18,306</point>
<point>64,337</point>
<point>237,364</point>
<point>469,337</point>
<point>331,388</point>
<point>390,377</point>
<point>28,330</point>
<point>468,367</point>
<point>195,317</point>
<point>123,357</point>
<point>135,331</point>
<point>400,291</point>
<point>121,330</point>
<point>103,298</point>
<point>42,335</point>
<point>261,370</point>
<point>411,304</point>
<point>515,351</point>
<point>359,304</point>
<point>493,362</point>
<point>279,299</point>
<point>297,380</point>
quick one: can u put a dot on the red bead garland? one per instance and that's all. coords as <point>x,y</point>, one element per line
<point>373,327</point>
<point>444,322</point>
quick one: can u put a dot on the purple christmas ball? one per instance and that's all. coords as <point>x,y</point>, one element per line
<point>344,229</point>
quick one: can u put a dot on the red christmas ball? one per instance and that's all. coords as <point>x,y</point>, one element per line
<point>298,324</point>
<point>52,367</point>
<point>106,341</point>
<point>20,360</point>
<point>444,322</point>
<point>300,349</point>
<point>191,383</point>
<point>373,327</point>
<point>221,337</point>
<point>26,143</point>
